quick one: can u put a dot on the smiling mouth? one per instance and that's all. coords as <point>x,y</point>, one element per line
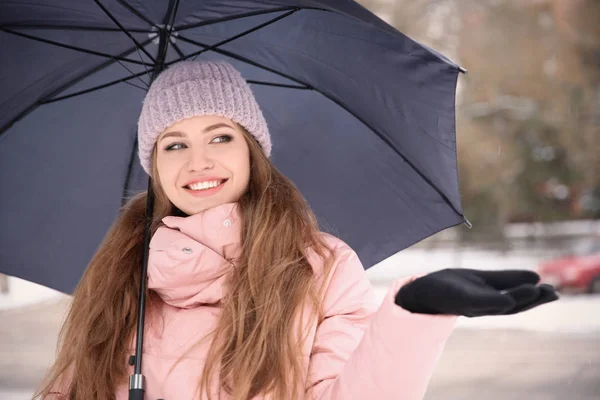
<point>199,186</point>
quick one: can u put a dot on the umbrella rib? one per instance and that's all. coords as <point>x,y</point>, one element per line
<point>178,50</point>
<point>142,17</point>
<point>125,31</point>
<point>162,51</point>
<point>136,86</point>
<point>133,73</point>
<point>95,88</point>
<point>135,12</point>
<point>232,18</point>
<point>164,39</point>
<point>130,165</point>
<point>343,106</point>
<point>243,59</point>
<point>173,17</point>
<point>282,85</point>
<point>231,39</point>
<point>169,34</point>
<point>70,28</point>
<point>68,46</point>
<point>37,103</point>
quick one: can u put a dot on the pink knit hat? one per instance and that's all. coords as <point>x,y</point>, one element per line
<point>194,88</point>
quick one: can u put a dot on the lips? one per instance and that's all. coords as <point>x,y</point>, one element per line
<point>205,188</point>
<point>205,185</point>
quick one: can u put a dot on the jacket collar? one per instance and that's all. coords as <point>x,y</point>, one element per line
<point>217,228</point>
<point>190,257</point>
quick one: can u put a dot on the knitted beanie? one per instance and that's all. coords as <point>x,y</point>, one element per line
<point>194,88</point>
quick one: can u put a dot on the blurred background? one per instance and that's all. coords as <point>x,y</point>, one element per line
<point>528,137</point>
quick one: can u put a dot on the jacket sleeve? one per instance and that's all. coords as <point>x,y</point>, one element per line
<point>361,352</point>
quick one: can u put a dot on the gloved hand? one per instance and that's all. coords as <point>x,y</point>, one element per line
<point>474,293</point>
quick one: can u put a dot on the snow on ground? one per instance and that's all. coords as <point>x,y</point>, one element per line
<point>7,394</point>
<point>417,261</point>
<point>23,293</point>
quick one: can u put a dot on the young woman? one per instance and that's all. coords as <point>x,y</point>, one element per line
<point>246,298</point>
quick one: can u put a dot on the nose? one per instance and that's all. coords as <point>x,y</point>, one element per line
<point>199,160</point>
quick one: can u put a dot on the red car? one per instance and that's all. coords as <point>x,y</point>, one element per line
<point>578,271</point>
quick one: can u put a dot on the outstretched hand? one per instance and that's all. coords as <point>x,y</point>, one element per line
<point>475,293</point>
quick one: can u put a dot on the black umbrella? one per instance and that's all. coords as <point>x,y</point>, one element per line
<point>362,119</point>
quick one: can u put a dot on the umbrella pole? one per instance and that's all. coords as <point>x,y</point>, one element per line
<point>137,380</point>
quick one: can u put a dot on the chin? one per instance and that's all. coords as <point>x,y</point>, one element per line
<point>198,208</point>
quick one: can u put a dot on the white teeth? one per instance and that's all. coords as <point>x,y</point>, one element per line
<point>204,185</point>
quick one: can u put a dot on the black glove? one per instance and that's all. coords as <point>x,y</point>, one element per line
<point>474,293</point>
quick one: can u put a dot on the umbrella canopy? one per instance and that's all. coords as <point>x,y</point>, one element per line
<point>362,118</point>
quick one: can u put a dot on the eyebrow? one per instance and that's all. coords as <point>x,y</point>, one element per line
<point>205,130</point>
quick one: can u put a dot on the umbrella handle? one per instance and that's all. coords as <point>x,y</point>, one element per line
<point>136,394</point>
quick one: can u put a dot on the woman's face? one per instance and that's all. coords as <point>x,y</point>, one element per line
<point>203,162</point>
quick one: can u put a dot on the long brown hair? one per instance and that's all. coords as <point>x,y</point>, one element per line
<point>258,350</point>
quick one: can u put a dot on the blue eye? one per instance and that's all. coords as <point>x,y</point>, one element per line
<point>222,139</point>
<point>175,146</point>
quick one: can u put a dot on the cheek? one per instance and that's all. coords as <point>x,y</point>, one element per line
<point>237,160</point>
<point>166,172</point>
<point>244,165</point>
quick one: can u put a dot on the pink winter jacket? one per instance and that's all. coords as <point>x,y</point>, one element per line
<point>359,350</point>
